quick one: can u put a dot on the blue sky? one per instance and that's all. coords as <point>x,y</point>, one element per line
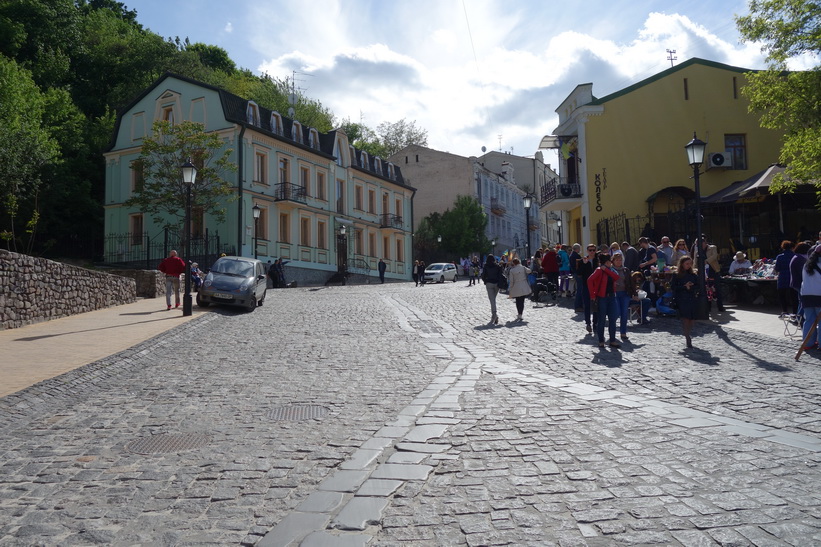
<point>468,71</point>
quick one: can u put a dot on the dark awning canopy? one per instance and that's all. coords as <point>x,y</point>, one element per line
<point>757,184</point>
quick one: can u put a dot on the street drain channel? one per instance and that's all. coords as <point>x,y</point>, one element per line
<point>298,412</point>
<point>163,444</point>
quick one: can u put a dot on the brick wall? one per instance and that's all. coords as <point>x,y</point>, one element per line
<point>35,289</point>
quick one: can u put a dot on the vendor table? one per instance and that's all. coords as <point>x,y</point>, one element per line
<point>747,289</point>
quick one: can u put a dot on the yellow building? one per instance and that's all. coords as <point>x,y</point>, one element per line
<point>622,161</point>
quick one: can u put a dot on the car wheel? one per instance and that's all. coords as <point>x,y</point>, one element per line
<point>442,279</point>
<point>262,300</point>
<point>252,303</point>
<point>455,278</point>
<point>201,303</point>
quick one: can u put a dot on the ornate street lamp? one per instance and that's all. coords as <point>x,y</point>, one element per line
<point>189,175</point>
<point>257,211</point>
<point>528,201</point>
<point>695,157</point>
<point>493,246</point>
<point>559,225</point>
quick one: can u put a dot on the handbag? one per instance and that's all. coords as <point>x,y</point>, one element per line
<point>502,283</point>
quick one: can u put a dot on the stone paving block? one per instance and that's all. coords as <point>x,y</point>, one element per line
<point>359,512</point>
<point>344,481</point>
<point>321,502</point>
<point>694,422</point>
<point>325,539</point>
<point>361,459</point>
<point>422,447</point>
<point>293,527</point>
<point>423,433</point>
<point>379,487</point>
<point>407,457</point>
<point>402,472</point>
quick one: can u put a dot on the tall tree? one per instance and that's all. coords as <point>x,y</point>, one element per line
<point>26,148</point>
<point>162,192</point>
<point>462,228</point>
<point>397,135</point>
<point>790,101</point>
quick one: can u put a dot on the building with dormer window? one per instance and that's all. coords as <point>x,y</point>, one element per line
<point>306,185</point>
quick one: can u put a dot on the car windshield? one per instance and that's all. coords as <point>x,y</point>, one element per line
<point>233,267</point>
<point>435,267</point>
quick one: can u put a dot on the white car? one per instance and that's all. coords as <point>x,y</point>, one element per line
<point>440,272</point>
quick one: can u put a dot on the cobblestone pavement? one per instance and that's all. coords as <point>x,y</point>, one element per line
<point>390,415</point>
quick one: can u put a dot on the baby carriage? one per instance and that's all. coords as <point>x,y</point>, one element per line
<point>664,305</point>
<point>543,290</point>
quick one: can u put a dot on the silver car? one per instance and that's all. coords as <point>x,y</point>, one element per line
<point>234,280</point>
<point>440,272</point>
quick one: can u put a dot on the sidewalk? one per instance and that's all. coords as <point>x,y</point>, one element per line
<point>44,350</point>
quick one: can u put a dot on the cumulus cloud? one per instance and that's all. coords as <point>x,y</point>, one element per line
<point>469,75</point>
<point>229,27</point>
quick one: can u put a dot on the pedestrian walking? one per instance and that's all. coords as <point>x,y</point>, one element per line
<point>811,299</point>
<point>518,287</point>
<point>415,273</point>
<point>420,270</point>
<point>685,293</point>
<point>173,267</point>
<point>601,285</point>
<point>491,275</point>
<point>382,267</point>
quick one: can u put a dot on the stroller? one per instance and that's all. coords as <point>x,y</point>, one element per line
<point>664,305</point>
<point>543,290</point>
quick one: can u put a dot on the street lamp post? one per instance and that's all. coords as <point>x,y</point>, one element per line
<point>559,225</point>
<point>695,157</point>
<point>257,211</point>
<point>493,246</point>
<point>528,201</point>
<point>189,175</point>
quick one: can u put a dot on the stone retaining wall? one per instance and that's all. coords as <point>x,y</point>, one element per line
<point>150,283</point>
<point>35,289</point>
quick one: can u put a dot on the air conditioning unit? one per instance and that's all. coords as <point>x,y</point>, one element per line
<point>719,159</point>
<point>566,190</point>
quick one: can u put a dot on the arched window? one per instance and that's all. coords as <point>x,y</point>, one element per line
<point>296,132</point>
<point>363,160</point>
<point>252,113</point>
<point>313,136</point>
<point>352,155</point>
<point>377,165</point>
<point>276,123</point>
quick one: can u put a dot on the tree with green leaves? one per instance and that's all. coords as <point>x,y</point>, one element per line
<point>790,101</point>
<point>26,149</point>
<point>462,228</point>
<point>388,139</point>
<point>161,191</point>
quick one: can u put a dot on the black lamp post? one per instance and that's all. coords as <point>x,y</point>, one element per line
<point>559,224</point>
<point>695,157</point>
<point>493,246</point>
<point>257,211</point>
<point>528,201</point>
<point>189,175</point>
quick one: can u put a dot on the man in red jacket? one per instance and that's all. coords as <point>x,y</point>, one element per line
<point>172,267</point>
<point>550,266</point>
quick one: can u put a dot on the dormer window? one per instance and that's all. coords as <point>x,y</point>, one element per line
<point>276,123</point>
<point>377,165</point>
<point>353,156</point>
<point>313,138</point>
<point>252,113</point>
<point>363,160</point>
<point>391,172</point>
<point>168,114</point>
<point>296,132</point>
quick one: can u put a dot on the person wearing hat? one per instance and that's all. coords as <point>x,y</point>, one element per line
<point>740,265</point>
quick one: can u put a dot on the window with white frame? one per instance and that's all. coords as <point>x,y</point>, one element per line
<point>357,242</point>
<point>357,195</point>
<point>276,123</point>
<point>400,250</point>
<point>168,114</point>
<point>305,231</point>
<point>305,179</point>
<point>386,247</point>
<point>371,244</point>
<point>371,200</point>
<point>321,237</point>
<point>284,228</point>
<point>252,113</point>
<point>137,176</point>
<point>284,165</point>
<point>321,190</point>
<point>296,132</point>
<point>313,136</point>
<point>260,168</point>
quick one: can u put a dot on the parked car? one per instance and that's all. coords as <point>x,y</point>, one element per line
<point>236,281</point>
<point>441,272</point>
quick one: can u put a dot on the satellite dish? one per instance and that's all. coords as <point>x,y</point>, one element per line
<point>484,150</point>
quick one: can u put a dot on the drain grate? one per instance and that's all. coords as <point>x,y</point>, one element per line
<point>162,444</point>
<point>298,412</point>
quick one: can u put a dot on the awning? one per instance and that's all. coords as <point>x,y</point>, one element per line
<point>757,184</point>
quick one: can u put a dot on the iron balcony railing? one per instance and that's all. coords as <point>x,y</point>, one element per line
<point>287,191</point>
<point>496,207</point>
<point>559,189</point>
<point>389,220</point>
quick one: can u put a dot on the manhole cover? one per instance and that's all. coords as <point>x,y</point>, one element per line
<point>161,444</point>
<point>298,412</point>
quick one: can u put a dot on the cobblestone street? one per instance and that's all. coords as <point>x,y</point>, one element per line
<point>391,414</point>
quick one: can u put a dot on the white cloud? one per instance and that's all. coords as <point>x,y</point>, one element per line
<point>229,27</point>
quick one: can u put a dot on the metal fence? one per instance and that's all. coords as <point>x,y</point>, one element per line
<point>140,251</point>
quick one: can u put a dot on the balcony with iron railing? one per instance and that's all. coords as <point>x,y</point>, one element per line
<point>496,207</point>
<point>287,191</point>
<point>389,220</point>
<point>560,189</point>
